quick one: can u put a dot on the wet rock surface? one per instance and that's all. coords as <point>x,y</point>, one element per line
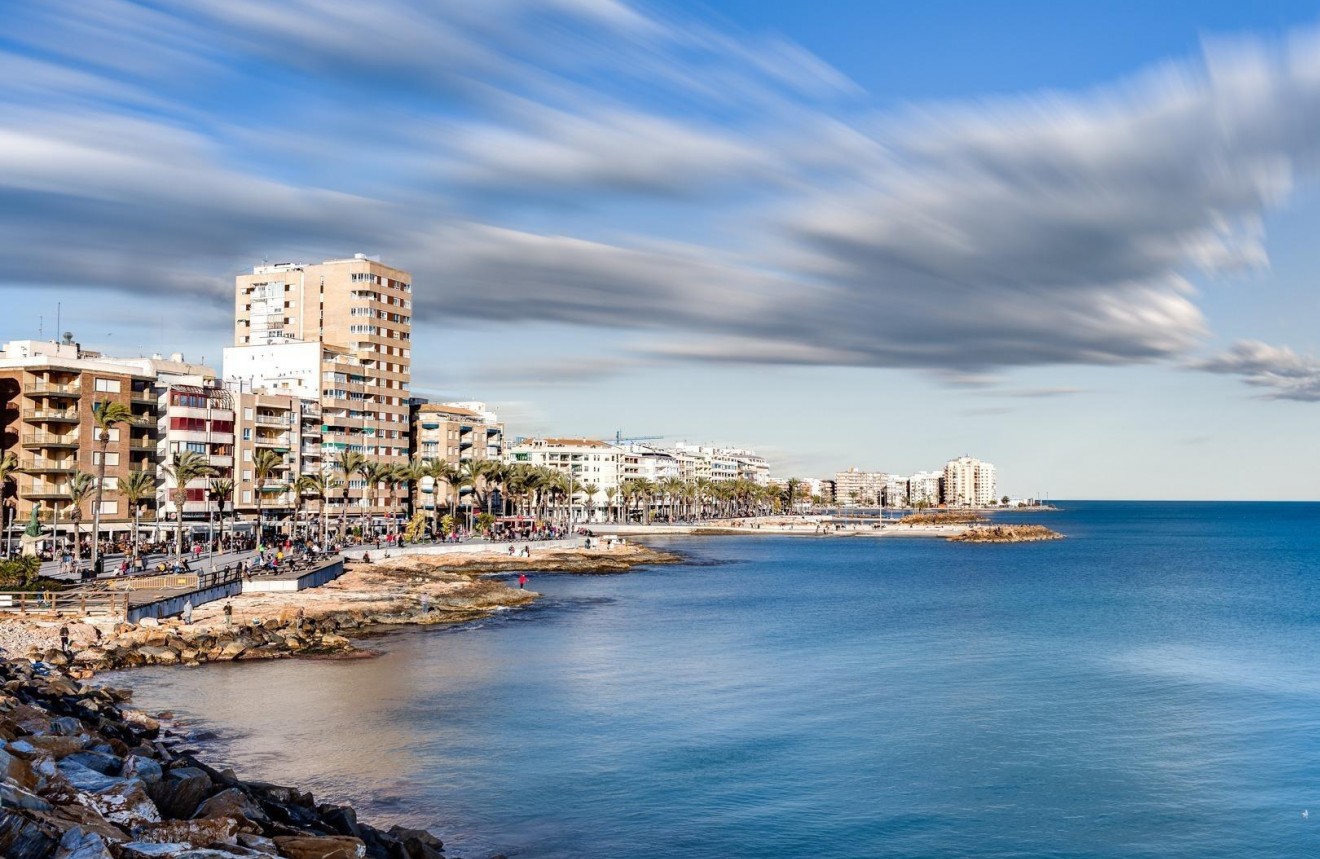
<point>83,776</point>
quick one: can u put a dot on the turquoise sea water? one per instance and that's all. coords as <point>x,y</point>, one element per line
<point>1149,687</point>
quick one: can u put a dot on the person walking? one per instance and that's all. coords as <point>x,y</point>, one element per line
<point>522,581</point>
<point>64,638</point>
<point>229,614</point>
<point>187,612</point>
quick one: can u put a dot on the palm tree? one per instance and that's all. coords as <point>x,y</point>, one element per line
<point>107,414</point>
<point>80,487</point>
<point>8,465</point>
<point>320,485</point>
<point>188,466</point>
<point>590,490</point>
<point>347,462</point>
<point>222,490</point>
<point>610,492</point>
<point>136,487</point>
<point>304,484</point>
<point>373,474</point>
<point>437,470</point>
<point>265,464</point>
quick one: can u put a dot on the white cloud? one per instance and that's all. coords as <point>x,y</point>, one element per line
<point>1279,371</point>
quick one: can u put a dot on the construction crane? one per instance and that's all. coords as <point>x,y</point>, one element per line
<point>620,438</point>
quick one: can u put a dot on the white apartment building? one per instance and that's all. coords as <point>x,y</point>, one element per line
<point>969,482</point>
<point>857,488</point>
<point>591,462</point>
<point>719,463</point>
<point>924,488</point>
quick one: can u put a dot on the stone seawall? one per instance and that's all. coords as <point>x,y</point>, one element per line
<point>83,776</point>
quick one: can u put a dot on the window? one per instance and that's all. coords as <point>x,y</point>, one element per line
<point>114,434</point>
<point>247,414</point>
<point>194,446</point>
<point>247,474</point>
<point>109,508</point>
<point>111,457</point>
<point>247,496</point>
<point>247,455</point>
<point>107,386</point>
<point>247,433</point>
<point>110,484</point>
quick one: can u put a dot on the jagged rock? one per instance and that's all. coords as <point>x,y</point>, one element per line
<point>18,771</point>
<point>341,819</point>
<point>126,804</point>
<point>12,796</point>
<point>180,791</point>
<point>106,764</point>
<point>21,838</point>
<point>77,843</point>
<point>234,803</point>
<point>141,767</point>
<point>86,779</point>
<point>232,649</point>
<point>59,747</point>
<point>258,844</point>
<point>418,843</point>
<point>325,847</point>
<point>142,720</point>
<point>66,726</point>
<point>197,833</point>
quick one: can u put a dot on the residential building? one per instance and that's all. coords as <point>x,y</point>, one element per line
<point>197,419</point>
<point>339,332</point>
<point>49,390</point>
<point>924,488</point>
<point>857,488</point>
<point>969,482</point>
<point>456,433</point>
<point>894,492</point>
<point>590,461</point>
<point>290,427</point>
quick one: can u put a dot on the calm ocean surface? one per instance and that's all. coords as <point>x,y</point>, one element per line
<point>1149,687</point>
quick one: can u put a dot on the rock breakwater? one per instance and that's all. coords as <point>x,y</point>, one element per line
<point>1006,534</point>
<point>84,776</point>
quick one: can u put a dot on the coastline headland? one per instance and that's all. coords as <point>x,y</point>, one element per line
<point>952,525</point>
<point>407,588</point>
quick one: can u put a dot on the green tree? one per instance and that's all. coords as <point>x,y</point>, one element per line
<point>106,414</point>
<point>221,491</point>
<point>8,467</point>
<point>266,463</point>
<point>347,462</point>
<point>187,466</point>
<point>80,487</point>
<point>135,488</point>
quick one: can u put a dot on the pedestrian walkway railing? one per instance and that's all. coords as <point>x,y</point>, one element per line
<point>195,581</point>
<point>78,601</point>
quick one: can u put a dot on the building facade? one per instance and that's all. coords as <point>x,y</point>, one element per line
<point>969,482</point>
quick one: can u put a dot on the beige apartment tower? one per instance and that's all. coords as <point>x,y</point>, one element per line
<point>338,332</point>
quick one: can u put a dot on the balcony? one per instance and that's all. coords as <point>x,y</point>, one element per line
<point>430,425</point>
<point>48,466</point>
<point>273,420</point>
<point>142,444</point>
<point>278,442</point>
<point>69,416</point>
<point>43,491</point>
<point>47,389</point>
<point>45,439</point>
<point>143,421</point>
<point>142,398</point>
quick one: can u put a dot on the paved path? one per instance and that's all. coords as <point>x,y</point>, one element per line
<point>51,569</point>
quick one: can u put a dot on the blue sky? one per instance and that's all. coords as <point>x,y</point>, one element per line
<point>1073,239</point>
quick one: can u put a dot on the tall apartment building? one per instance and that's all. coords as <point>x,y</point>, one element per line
<point>455,433</point>
<point>338,332</point>
<point>720,463</point>
<point>857,488</point>
<point>196,419</point>
<point>49,390</point>
<point>968,482</point>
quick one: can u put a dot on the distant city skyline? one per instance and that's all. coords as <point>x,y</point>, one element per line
<point>1074,242</point>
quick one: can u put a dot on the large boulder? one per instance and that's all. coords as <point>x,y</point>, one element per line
<point>197,833</point>
<point>78,843</point>
<point>418,843</point>
<point>324,847</point>
<point>102,762</point>
<point>234,804</point>
<point>21,838</point>
<point>142,767</point>
<point>180,791</point>
<point>126,804</point>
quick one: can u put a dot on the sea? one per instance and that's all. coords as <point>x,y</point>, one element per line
<point>1147,687</point>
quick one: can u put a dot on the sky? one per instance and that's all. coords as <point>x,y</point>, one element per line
<point>1073,239</point>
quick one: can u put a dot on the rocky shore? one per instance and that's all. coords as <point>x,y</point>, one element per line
<point>1006,534</point>
<point>418,591</point>
<point>83,776</point>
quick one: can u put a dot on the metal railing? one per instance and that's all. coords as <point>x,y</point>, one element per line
<point>78,601</point>
<point>48,388</point>
<point>57,465</point>
<point>70,415</point>
<point>50,439</point>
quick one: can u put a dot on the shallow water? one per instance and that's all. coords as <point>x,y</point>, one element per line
<point>1148,687</point>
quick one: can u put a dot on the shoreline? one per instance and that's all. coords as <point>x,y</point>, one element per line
<point>318,622</point>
